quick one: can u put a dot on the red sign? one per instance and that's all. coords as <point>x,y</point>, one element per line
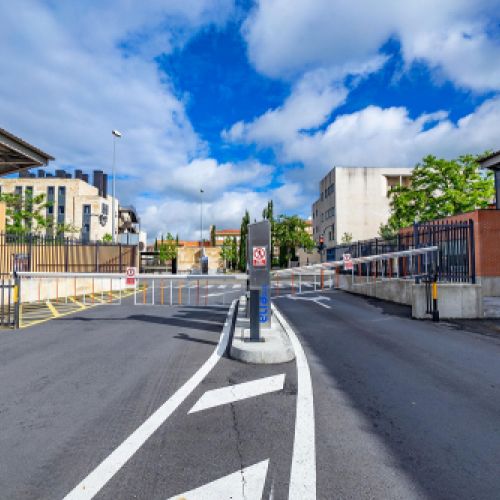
<point>259,256</point>
<point>130,280</point>
<point>347,262</point>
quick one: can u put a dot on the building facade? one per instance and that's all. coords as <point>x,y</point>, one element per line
<point>84,209</point>
<point>354,201</point>
<point>222,234</point>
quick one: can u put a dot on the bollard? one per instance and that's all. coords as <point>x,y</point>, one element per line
<point>322,279</point>
<point>435,311</point>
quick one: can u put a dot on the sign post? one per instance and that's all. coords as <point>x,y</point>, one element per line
<point>130,279</point>
<point>259,265</point>
<point>348,266</point>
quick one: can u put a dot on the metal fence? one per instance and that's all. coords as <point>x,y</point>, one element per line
<point>453,262</point>
<point>57,254</point>
<point>7,304</point>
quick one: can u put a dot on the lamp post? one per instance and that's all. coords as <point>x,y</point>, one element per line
<point>116,135</point>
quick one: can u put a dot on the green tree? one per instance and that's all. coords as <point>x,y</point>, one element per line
<point>212,235</point>
<point>291,234</point>
<point>167,249</point>
<point>156,245</point>
<point>268,213</point>
<point>28,215</point>
<point>228,253</point>
<point>440,188</point>
<point>242,258</point>
<point>234,252</point>
<point>107,238</point>
<point>346,238</point>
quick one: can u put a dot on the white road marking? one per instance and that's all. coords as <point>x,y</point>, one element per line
<point>245,484</point>
<point>316,300</point>
<point>303,474</point>
<point>93,483</point>
<point>245,390</point>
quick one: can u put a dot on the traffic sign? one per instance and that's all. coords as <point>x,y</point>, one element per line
<point>259,256</point>
<point>131,272</point>
<point>348,266</point>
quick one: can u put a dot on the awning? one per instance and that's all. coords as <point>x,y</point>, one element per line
<point>17,155</point>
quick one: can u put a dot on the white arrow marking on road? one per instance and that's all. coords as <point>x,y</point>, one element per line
<point>245,390</point>
<point>245,484</point>
<point>316,300</point>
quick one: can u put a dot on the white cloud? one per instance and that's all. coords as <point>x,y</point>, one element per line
<point>308,106</point>
<point>225,211</point>
<point>452,35</point>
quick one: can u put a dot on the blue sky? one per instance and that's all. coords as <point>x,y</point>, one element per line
<point>249,100</point>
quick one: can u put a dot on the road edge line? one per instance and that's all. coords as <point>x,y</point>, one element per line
<point>303,471</point>
<point>99,477</point>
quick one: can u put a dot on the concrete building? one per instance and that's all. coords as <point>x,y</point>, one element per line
<point>74,202</point>
<point>354,200</point>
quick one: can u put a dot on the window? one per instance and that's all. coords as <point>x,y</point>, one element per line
<point>28,204</point>
<point>61,203</point>
<point>50,208</point>
<point>86,220</point>
<point>104,209</point>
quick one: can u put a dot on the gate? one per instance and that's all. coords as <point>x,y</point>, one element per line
<point>46,295</point>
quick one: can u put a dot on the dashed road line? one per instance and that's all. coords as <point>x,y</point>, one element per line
<point>237,392</point>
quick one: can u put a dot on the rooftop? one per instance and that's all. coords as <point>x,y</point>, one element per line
<point>16,154</point>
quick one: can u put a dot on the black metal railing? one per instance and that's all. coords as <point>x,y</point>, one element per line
<point>454,260</point>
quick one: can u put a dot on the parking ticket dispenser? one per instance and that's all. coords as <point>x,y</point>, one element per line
<point>259,266</point>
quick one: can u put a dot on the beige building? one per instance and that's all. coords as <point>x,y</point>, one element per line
<point>356,201</point>
<point>74,202</point>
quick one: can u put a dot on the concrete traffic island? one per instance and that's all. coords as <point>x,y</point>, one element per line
<point>275,347</point>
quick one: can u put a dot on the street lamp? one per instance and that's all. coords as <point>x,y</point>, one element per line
<point>116,135</point>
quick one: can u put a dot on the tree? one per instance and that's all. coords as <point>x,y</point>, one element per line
<point>107,238</point>
<point>346,238</point>
<point>228,253</point>
<point>29,215</point>
<point>243,242</point>
<point>268,214</point>
<point>291,234</point>
<point>156,245</point>
<point>234,253</point>
<point>440,188</point>
<point>167,249</point>
<point>212,235</point>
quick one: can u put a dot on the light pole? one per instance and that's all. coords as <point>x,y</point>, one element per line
<point>201,223</point>
<point>116,135</point>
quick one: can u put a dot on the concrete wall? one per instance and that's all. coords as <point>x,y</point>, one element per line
<point>188,259</point>
<point>455,300</point>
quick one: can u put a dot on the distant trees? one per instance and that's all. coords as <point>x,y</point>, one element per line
<point>290,234</point>
<point>167,249</point>
<point>229,253</point>
<point>242,254</point>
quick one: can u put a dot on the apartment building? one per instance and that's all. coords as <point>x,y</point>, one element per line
<point>72,201</point>
<point>356,201</point>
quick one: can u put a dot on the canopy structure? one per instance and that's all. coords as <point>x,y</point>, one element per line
<point>17,155</point>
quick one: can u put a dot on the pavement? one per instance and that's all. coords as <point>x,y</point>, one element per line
<point>74,390</point>
<point>132,401</point>
<point>403,408</point>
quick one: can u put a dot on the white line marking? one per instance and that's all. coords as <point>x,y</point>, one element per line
<point>316,300</point>
<point>93,483</point>
<point>245,390</point>
<point>245,484</point>
<point>303,474</point>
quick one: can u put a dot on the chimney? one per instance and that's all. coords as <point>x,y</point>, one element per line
<point>78,174</point>
<point>98,181</point>
<point>60,174</point>
<point>105,185</point>
<point>85,177</point>
<point>41,173</point>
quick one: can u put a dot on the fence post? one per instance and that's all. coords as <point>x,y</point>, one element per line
<point>120,258</point>
<point>17,299</point>
<point>472,247</point>
<point>96,256</point>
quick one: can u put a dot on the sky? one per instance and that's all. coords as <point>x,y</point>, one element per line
<point>247,100</point>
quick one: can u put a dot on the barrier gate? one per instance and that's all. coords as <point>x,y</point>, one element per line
<point>43,295</point>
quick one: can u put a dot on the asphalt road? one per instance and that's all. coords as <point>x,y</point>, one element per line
<point>404,408</point>
<point>74,389</point>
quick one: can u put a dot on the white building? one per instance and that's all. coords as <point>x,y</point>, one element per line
<point>356,201</point>
<point>72,202</point>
